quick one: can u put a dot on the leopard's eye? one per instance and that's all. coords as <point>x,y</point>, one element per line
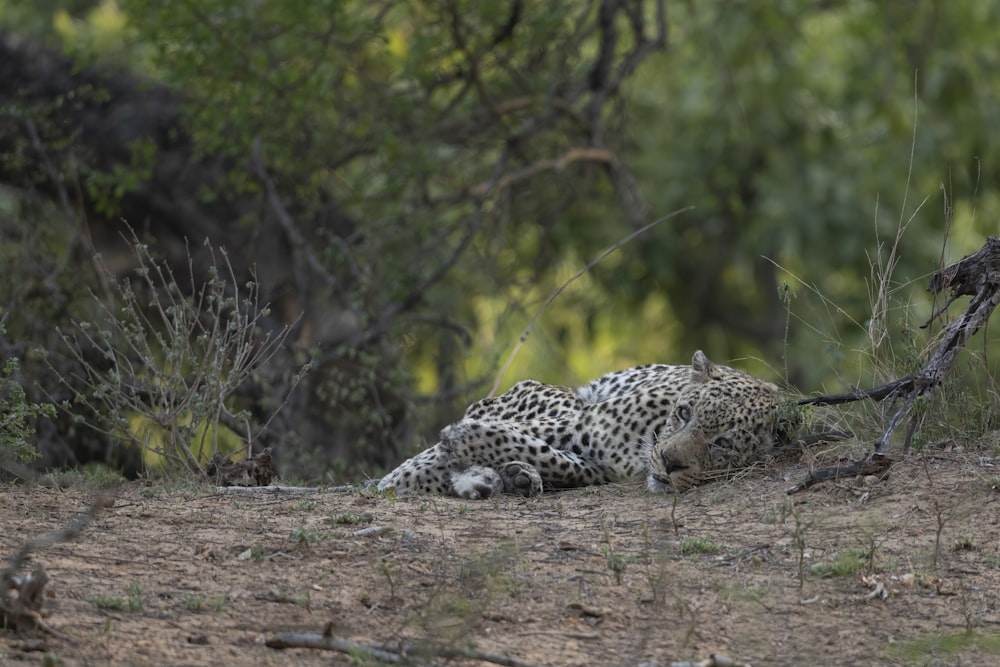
<point>684,413</point>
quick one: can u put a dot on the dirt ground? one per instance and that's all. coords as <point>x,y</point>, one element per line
<point>903,571</point>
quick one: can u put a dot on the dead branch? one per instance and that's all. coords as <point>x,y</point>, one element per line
<point>264,490</point>
<point>713,660</point>
<point>890,390</point>
<point>877,465</point>
<point>22,597</point>
<point>571,156</point>
<point>390,654</point>
<point>282,640</point>
<point>967,276</point>
<point>976,275</point>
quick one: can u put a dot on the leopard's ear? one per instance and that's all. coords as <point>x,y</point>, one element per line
<point>701,368</point>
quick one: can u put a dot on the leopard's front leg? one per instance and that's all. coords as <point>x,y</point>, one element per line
<point>524,460</point>
<point>481,462</point>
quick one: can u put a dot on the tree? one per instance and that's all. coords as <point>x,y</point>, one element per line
<point>790,127</point>
<point>356,154</point>
<point>417,177</point>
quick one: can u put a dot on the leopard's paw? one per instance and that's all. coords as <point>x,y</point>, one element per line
<point>521,478</point>
<point>476,483</point>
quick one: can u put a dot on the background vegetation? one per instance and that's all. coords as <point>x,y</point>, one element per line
<point>405,182</point>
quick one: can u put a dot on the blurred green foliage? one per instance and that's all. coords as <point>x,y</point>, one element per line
<point>834,153</point>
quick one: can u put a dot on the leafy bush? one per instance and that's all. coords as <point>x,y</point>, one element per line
<point>17,414</point>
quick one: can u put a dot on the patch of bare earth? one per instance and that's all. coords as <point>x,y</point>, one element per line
<point>602,576</point>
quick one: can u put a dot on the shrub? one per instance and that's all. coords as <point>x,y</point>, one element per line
<point>17,414</point>
<point>171,360</point>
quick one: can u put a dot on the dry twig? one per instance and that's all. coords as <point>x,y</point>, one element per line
<point>390,654</point>
<point>22,597</point>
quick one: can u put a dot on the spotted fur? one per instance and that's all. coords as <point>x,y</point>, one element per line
<point>674,426</point>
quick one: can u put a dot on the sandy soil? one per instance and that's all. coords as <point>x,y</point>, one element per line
<point>857,572</point>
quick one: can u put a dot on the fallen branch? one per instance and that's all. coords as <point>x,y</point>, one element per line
<point>877,465</point>
<point>282,640</point>
<point>394,655</point>
<point>263,490</point>
<point>277,489</point>
<point>712,661</point>
<point>22,597</point>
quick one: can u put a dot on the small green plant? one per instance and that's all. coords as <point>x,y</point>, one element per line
<point>942,517</point>
<point>305,505</point>
<point>91,476</point>
<point>791,417</point>
<point>746,592</point>
<point>349,519</point>
<point>52,660</point>
<point>99,476</point>
<point>109,603</point>
<point>195,603</point>
<point>305,537</point>
<point>800,526</point>
<point>698,545</point>
<point>943,646</point>
<point>17,414</point>
<point>389,571</point>
<point>617,563</point>
<point>847,563</point>
<point>136,599</point>
<point>198,603</point>
<point>253,552</point>
<point>388,494</point>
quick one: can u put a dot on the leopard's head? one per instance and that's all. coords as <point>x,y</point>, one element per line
<point>723,419</point>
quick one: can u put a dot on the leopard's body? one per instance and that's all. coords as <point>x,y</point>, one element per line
<point>675,426</point>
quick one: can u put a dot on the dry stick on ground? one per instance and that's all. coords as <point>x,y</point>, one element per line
<point>561,288</point>
<point>386,653</point>
<point>976,275</point>
<point>24,611</point>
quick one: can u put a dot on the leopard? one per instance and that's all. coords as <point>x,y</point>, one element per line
<point>672,426</point>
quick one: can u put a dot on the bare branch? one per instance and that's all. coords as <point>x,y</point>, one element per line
<point>23,610</point>
<point>554,164</point>
<point>302,254</point>
<point>890,390</point>
<point>977,275</point>
<point>390,654</point>
<point>385,319</point>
